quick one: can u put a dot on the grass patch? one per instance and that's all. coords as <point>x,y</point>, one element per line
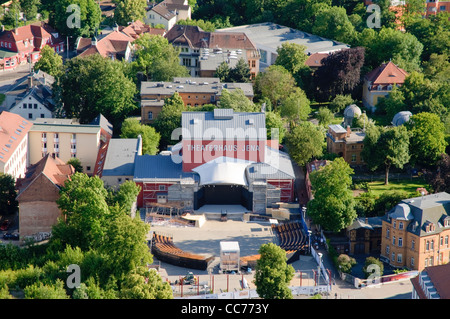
<point>407,185</point>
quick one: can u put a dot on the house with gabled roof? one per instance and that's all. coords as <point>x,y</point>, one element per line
<point>168,13</point>
<point>380,81</point>
<point>31,97</point>
<point>115,45</point>
<point>432,283</point>
<point>23,44</point>
<point>136,28</point>
<point>38,192</point>
<point>416,232</point>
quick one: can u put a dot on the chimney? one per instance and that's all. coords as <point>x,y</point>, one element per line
<point>30,82</point>
<point>349,130</point>
<point>94,41</point>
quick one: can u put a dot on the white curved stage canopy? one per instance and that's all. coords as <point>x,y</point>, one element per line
<point>223,171</point>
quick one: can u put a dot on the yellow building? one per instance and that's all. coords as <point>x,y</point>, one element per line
<point>379,82</point>
<point>415,233</point>
<point>66,139</point>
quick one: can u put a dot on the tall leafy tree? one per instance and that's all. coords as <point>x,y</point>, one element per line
<point>333,205</point>
<point>131,128</point>
<point>427,140</point>
<point>169,119</point>
<point>74,17</point>
<point>339,73</point>
<point>439,177</point>
<point>333,23</point>
<point>129,11</point>
<point>273,275</point>
<point>93,85</point>
<point>386,147</point>
<point>237,101</point>
<point>296,107</point>
<point>50,62</point>
<point>157,58</point>
<point>275,84</point>
<point>240,72</point>
<point>291,56</point>
<point>305,141</point>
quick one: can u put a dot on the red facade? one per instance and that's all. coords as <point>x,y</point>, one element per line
<point>198,152</point>
<point>150,192</point>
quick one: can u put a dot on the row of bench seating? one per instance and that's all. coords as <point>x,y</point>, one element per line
<point>290,236</point>
<point>164,249</point>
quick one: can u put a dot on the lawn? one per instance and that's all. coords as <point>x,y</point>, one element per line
<point>409,185</point>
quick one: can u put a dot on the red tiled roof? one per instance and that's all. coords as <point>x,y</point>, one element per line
<point>387,73</point>
<point>440,277</point>
<point>136,28</point>
<point>53,168</point>
<point>13,129</point>
<point>113,43</point>
<point>315,59</point>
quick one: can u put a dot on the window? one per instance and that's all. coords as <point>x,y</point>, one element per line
<point>395,224</point>
<point>393,256</point>
<point>25,105</point>
<point>162,187</point>
<point>400,225</point>
<point>56,135</point>
<point>400,242</point>
<point>432,245</point>
<point>393,240</point>
<point>30,116</point>
<point>388,232</point>
<point>387,249</point>
<point>427,245</point>
<point>56,146</point>
<point>150,116</point>
<point>399,258</point>
<point>35,106</point>
<point>88,168</point>
<point>446,240</point>
<point>353,157</point>
<point>42,115</point>
<point>44,135</point>
<point>412,261</point>
<point>413,245</point>
<point>186,61</point>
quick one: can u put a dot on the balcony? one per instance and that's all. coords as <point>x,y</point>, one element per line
<point>73,151</point>
<point>44,139</point>
<point>73,140</point>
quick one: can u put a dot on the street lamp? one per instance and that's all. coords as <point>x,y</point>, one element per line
<point>309,240</point>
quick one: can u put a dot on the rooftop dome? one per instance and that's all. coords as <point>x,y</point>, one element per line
<point>401,118</point>
<point>352,111</point>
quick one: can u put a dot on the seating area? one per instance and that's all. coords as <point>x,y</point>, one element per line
<point>165,250</point>
<point>291,237</point>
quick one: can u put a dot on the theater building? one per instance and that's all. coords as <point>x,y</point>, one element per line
<point>223,158</point>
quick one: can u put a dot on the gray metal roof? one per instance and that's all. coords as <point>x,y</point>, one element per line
<point>271,35</point>
<point>203,125</point>
<point>121,156</point>
<point>337,128</point>
<point>425,210</point>
<point>159,167</point>
<point>193,86</point>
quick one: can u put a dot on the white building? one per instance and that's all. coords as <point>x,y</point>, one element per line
<point>13,144</point>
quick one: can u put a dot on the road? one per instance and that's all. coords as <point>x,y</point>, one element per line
<point>8,77</point>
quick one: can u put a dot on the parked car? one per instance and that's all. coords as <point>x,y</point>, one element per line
<point>11,236</point>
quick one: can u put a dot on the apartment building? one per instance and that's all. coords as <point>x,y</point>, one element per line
<point>13,144</point>
<point>66,139</point>
<point>193,91</point>
<point>202,52</point>
<point>415,233</point>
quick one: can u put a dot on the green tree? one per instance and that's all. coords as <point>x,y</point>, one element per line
<point>305,141</point>
<point>273,275</point>
<point>131,128</point>
<point>223,71</point>
<point>237,101</point>
<point>125,196</point>
<point>275,121</point>
<point>144,283</point>
<point>157,58</point>
<point>46,291</point>
<point>275,83</point>
<point>296,106</point>
<point>169,119</point>
<point>333,205</point>
<point>325,116</point>
<point>340,102</point>
<point>333,23</point>
<point>373,267</point>
<point>129,10</point>
<point>291,56</point>
<point>76,163</point>
<point>345,263</point>
<point>93,85</point>
<point>386,147</point>
<point>30,8</point>
<point>240,73</point>
<point>50,62</point>
<point>8,194</point>
<point>65,14</point>
<point>427,138</point>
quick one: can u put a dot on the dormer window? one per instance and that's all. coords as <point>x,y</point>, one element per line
<point>379,87</point>
<point>447,221</point>
<point>429,226</point>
